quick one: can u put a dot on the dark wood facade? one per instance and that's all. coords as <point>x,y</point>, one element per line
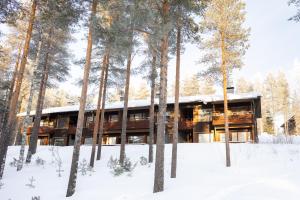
<point>199,122</point>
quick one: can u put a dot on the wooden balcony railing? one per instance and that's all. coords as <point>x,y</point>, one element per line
<point>185,124</point>
<point>139,124</point>
<point>233,119</point>
<point>42,130</point>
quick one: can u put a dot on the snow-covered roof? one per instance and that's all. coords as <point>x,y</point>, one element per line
<point>146,102</point>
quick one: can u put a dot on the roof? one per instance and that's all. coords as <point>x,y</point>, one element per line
<point>146,102</point>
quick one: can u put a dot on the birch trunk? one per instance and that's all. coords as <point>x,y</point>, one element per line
<point>161,118</point>
<point>40,102</point>
<point>26,121</point>
<point>80,120</point>
<point>102,119</point>
<point>125,108</point>
<point>176,106</point>
<point>152,110</point>
<point>5,136</point>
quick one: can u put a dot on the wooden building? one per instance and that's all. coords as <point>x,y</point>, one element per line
<point>291,126</point>
<point>201,120</point>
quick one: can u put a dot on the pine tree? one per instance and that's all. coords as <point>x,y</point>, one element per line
<point>184,24</point>
<point>26,120</point>
<point>244,86</point>
<point>161,117</point>
<point>296,3</point>
<point>191,86</point>
<point>76,151</point>
<point>136,22</point>
<point>55,27</point>
<point>6,136</point>
<point>225,45</point>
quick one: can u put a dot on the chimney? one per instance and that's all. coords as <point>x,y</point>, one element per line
<point>157,94</point>
<point>121,93</point>
<point>230,90</point>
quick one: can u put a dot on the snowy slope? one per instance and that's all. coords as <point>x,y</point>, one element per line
<point>264,171</point>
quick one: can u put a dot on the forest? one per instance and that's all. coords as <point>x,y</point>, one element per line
<point>35,60</point>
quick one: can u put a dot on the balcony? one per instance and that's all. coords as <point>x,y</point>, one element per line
<point>131,125</point>
<point>42,131</point>
<point>183,124</point>
<point>236,118</point>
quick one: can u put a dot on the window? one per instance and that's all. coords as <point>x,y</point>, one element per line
<point>59,142</point>
<point>63,122</point>
<point>205,115</point>
<point>137,116</point>
<point>89,120</point>
<point>88,141</point>
<point>47,123</point>
<point>113,118</point>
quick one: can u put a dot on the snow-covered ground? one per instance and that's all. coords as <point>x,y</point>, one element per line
<point>259,171</point>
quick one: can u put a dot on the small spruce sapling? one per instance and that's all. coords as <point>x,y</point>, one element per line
<point>143,160</point>
<point>14,163</point>
<point>118,169</point>
<point>59,170</point>
<point>56,159</point>
<point>83,168</point>
<point>40,162</point>
<point>36,198</point>
<point>30,184</point>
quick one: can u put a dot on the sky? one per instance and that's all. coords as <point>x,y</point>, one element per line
<point>274,45</point>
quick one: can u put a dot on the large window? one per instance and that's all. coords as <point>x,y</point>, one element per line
<point>59,142</point>
<point>138,116</point>
<point>63,122</point>
<point>89,120</point>
<point>113,118</point>
<point>205,115</point>
<point>45,122</point>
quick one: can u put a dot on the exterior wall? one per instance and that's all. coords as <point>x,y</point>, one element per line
<point>198,122</point>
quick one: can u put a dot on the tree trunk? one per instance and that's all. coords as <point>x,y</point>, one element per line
<point>161,118</point>
<point>26,120</point>
<point>102,119</point>
<point>125,109</point>
<point>152,109</point>
<point>97,121</point>
<point>224,72</point>
<point>11,91</point>
<point>40,102</point>
<point>176,106</point>
<point>80,120</point>
<point>5,136</point>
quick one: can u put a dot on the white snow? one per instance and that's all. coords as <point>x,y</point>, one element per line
<point>146,102</point>
<point>259,171</point>
<point>266,138</point>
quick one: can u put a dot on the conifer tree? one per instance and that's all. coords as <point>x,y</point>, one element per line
<point>225,46</point>
<point>5,137</point>
<point>185,24</point>
<point>80,121</point>
<point>55,27</point>
<point>164,9</point>
<point>26,120</point>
